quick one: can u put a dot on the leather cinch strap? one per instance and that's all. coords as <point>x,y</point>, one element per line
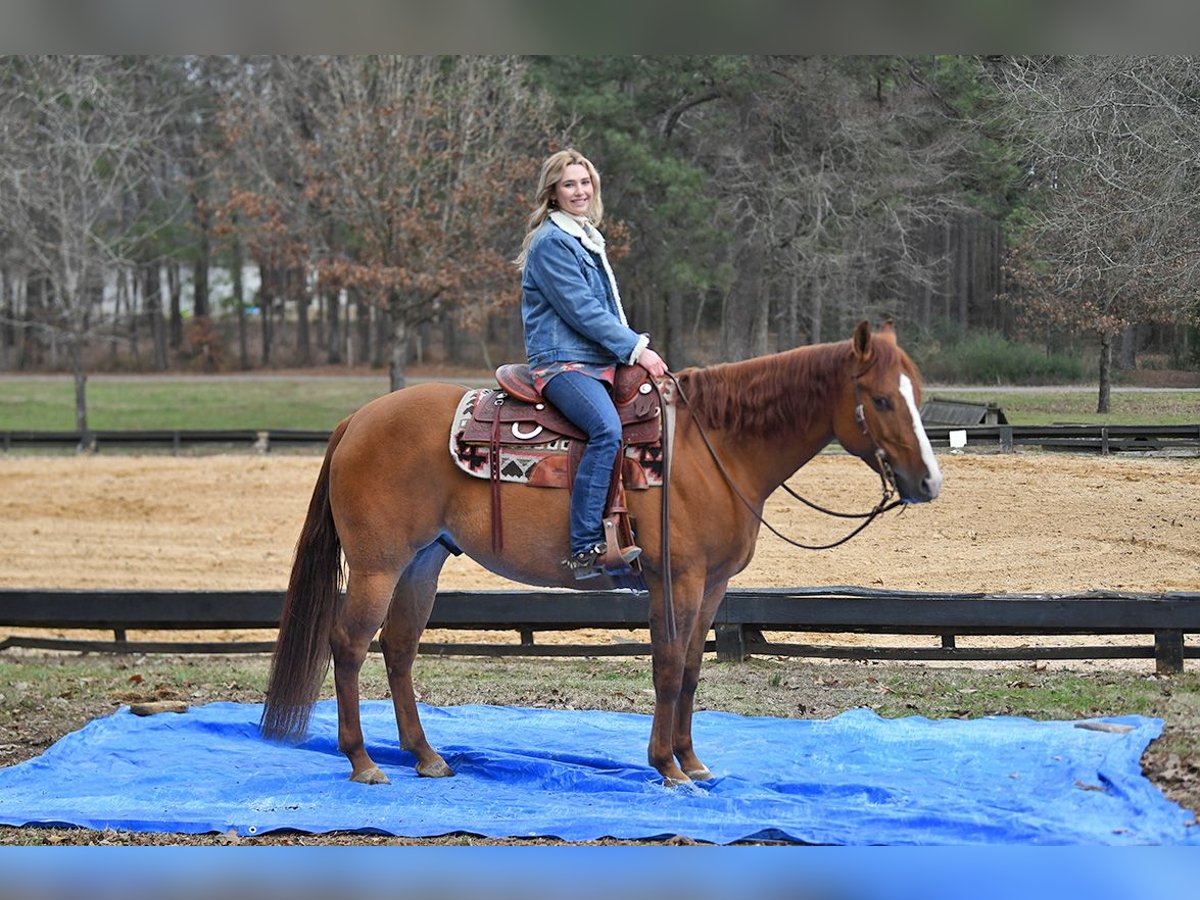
<point>494,472</point>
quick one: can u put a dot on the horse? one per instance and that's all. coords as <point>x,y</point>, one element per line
<point>390,499</point>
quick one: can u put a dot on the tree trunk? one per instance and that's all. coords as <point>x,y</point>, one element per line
<point>962,281</point>
<point>362,316</point>
<point>6,320</point>
<point>200,287</point>
<point>200,305</point>
<point>677,356</point>
<point>239,301</point>
<point>300,290</point>
<point>789,331</point>
<point>451,347</point>
<point>383,330</point>
<point>816,310</point>
<point>174,284</point>
<point>761,339</point>
<point>152,291</point>
<point>122,299</point>
<point>948,268</point>
<point>266,302</point>
<point>75,347</point>
<point>333,317</point>
<point>742,315</point>
<point>1105,371</point>
<point>397,344</point>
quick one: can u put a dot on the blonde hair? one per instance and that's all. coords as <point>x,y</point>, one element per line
<point>548,179</point>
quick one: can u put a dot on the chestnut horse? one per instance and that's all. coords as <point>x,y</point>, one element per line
<point>391,500</point>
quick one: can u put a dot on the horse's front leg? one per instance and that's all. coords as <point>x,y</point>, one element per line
<point>684,750</point>
<point>670,659</point>
<point>411,606</point>
<point>367,599</point>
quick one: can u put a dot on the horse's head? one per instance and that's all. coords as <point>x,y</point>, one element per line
<point>879,419</point>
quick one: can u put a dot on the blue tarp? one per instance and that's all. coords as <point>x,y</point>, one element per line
<point>579,775</point>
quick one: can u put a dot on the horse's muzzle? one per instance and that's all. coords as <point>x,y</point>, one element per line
<point>920,489</point>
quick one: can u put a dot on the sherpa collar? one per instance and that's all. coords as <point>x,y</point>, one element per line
<point>593,240</point>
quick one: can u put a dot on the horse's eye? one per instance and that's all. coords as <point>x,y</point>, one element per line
<point>882,404</point>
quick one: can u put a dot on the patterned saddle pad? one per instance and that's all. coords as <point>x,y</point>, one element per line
<point>537,457</point>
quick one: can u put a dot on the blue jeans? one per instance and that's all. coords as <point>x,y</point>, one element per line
<point>587,403</point>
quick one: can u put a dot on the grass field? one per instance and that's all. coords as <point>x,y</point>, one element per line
<point>1050,406</point>
<point>129,402</point>
<point>40,404</point>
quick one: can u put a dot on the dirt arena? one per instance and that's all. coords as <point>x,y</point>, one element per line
<point>1032,521</point>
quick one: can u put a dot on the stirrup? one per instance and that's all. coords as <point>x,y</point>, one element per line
<point>587,563</point>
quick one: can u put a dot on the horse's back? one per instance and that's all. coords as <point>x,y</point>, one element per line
<point>420,414</point>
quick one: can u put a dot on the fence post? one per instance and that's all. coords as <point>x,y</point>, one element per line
<point>731,643</point>
<point>1168,652</point>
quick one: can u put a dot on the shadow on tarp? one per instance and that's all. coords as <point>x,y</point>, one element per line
<point>856,779</point>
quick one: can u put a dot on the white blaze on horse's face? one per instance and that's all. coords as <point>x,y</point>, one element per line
<point>933,480</point>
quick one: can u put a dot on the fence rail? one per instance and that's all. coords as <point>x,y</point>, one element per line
<point>743,618</point>
<point>1102,439</point>
<point>1081,438</point>
<point>167,438</point>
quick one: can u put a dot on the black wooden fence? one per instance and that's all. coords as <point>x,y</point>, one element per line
<point>741,622</point>
<point>1082,438</point>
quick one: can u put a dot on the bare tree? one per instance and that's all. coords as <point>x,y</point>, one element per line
<point>1112,238</point>
<point>75,141</point>
<point>830,182</point>
<point>425,160</point>
<point>406,173</point>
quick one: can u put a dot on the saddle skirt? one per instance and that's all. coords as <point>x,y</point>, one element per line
<point>537,445</point>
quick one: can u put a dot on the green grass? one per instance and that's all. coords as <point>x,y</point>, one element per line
<point>130,403</point>
<point>193,403</point>
<point>1050,406</point>
<point>1028,692</point>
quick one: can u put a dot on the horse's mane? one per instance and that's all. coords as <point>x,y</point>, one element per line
<point>777,393</point>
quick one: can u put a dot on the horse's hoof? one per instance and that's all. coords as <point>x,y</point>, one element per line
<point>701,774</point>
<point>370,776</point>
<point>675,781</point>
<point>435,769</point>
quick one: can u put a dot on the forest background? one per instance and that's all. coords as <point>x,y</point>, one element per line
<point>1022,220</point>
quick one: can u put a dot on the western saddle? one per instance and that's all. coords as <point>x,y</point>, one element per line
<point>518,415</point>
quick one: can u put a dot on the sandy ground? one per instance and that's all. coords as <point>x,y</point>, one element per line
<point>1005,523</point>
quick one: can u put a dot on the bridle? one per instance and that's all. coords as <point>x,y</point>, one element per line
<point>887,477</point>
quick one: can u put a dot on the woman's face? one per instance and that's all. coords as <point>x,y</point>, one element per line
<point>573,193</point>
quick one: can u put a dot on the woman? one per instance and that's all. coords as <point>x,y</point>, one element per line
<point>575,336</point>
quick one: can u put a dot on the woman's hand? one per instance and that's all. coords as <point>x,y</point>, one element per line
<point>652,363</point>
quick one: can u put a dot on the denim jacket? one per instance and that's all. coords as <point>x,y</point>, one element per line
<point>567,306</point>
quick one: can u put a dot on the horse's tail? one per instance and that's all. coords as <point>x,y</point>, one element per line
<point>302,649</point>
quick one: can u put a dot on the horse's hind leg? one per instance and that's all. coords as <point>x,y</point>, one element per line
<point>367,599</point>
<point>411,605</point>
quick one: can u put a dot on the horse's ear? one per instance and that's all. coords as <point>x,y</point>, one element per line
<point>887,331</point>
<point>862,340</point>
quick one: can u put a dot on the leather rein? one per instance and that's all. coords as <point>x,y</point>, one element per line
<point>887,481</point>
